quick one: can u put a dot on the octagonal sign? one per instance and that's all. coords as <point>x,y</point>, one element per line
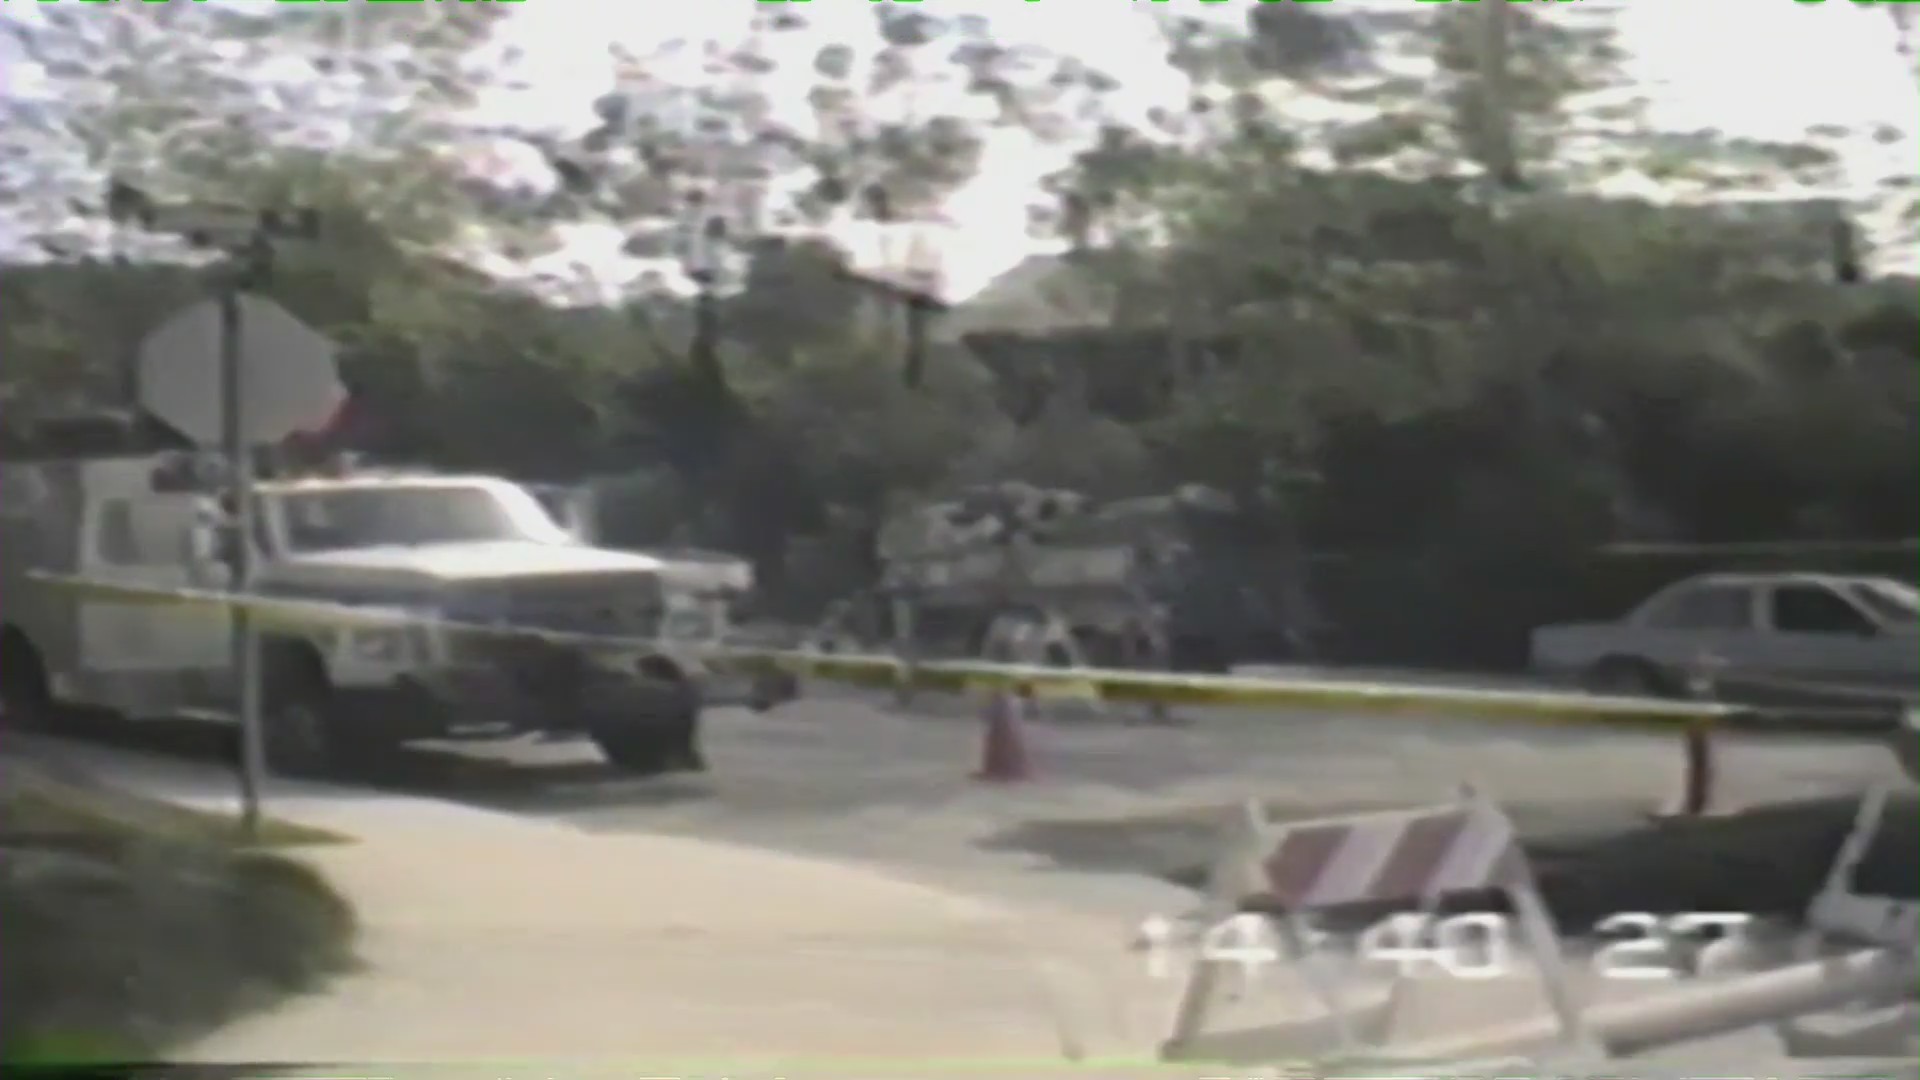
<point>289,381</point>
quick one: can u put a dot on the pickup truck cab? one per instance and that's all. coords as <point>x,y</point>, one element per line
<point>1846,634</point>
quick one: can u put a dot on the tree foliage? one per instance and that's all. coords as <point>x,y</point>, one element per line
<point>1389,316</point>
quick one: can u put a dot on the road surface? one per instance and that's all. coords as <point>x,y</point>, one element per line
<point>1116,812</point>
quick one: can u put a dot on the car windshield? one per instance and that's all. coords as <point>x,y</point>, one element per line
<point>1890,601</point>
<point>342,518</point>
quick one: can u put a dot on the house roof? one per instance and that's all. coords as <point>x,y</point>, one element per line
<point>1042,294</point>
<point>1049,294</point>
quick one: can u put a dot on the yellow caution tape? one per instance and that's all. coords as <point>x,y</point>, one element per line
<point>972,676</point>
<point>269,612</point>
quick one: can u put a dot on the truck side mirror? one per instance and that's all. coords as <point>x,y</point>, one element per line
<point>210,552</point>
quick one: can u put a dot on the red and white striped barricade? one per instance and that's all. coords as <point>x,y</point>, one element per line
<point>1284,875</point>
<point>1821,993</point>
<point>1840,912</point>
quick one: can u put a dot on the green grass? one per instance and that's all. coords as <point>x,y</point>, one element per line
<point>132,924</point>
<point>41,805</point>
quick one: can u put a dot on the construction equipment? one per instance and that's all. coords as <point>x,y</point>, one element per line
<point>1051,578</point>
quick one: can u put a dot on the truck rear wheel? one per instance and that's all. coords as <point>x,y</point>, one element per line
<point>305,731</point>
<point>295,722</point>
<point>26,694</point>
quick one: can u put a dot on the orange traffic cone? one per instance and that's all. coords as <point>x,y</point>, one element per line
<point>1003,747</point>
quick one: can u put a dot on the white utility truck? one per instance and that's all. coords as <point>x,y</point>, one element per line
<point>451,580</point>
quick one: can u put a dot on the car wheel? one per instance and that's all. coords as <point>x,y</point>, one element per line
<point>1626,676</point>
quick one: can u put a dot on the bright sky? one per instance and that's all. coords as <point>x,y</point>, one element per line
<point>1761,68</point>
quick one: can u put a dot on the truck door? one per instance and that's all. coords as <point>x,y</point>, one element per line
<point>146,541</point>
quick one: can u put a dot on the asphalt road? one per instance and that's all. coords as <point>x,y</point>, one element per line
<point>1115,812</point>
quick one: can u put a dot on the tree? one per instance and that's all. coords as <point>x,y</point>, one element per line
<point>1296,283</point>
<point>216,104</point>
<point>1381,326</point>
<point>904,115</point>
<point>362,113</point>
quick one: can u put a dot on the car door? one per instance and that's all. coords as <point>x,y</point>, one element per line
<point>1816,634</point>
<point>1702,624</point>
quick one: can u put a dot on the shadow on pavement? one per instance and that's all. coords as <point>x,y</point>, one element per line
<point>439,771</point>
<point>1592,858</point>
<point>1173,846</point>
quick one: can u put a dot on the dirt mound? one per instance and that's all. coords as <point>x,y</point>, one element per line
<point>1769,860</point>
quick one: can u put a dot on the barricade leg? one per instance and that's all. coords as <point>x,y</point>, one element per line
<point>1196,1000</point>
<point>1698,775</point>
<point>1315,967</point>
<point>1556,977</point>
<point>1229,878</point>
<point>1697,771</point>
<point>1837,909</point>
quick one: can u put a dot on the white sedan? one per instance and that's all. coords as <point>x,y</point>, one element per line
<point>1778,632</point>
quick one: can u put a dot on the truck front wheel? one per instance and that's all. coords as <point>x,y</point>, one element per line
<point>651,747</point>
<point>663,734</point>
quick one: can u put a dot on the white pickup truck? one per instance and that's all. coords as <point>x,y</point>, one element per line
<point>480,616</point>
<point>1773,636</point>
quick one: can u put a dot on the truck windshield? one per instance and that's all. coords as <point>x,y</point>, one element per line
<point>1892,602</point>
<point>333,519</point>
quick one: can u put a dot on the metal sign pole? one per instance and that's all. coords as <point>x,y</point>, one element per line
<point>266,388</point>
<point>245,644</point>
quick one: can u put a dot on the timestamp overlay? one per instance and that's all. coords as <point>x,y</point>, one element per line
<point>1470,946</point>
